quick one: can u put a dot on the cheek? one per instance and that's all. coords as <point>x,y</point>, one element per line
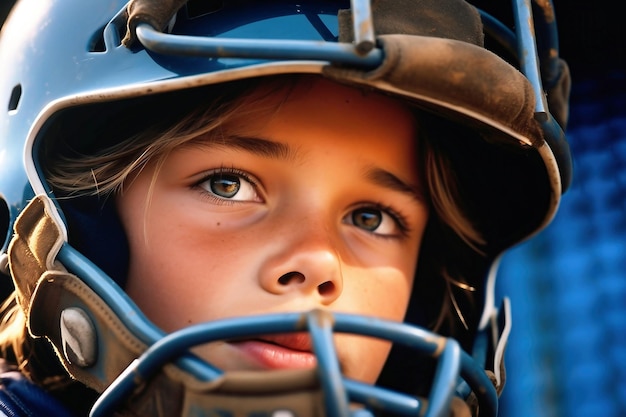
<point>383,292</point>
<point>169,261</point>
<point>389,300</point>
<point>380,292</point>
<point>188,267</point>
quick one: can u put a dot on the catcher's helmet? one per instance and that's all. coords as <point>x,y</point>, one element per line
<point>64,60</point>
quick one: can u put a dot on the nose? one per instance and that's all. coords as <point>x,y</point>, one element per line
<point>306,262</point>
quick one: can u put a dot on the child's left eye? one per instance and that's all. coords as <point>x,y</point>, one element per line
<point>229,186</point>
<point>374,220</point>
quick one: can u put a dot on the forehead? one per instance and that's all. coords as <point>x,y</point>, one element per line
<point>318,103</point>
<point>318,117</point>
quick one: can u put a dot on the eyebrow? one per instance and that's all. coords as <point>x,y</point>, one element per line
<point>258,146</point>
<point>277,150</point>
<point>386,179</point>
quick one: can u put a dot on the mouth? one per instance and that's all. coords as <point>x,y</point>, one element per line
<point>284,351</point>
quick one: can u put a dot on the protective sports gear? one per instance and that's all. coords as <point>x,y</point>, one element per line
<point>67,65</point>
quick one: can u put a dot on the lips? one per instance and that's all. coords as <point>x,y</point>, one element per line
<point>288,351</point>
<point>294,341</point>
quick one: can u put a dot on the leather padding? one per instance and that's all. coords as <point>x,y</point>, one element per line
<point>466,79</point>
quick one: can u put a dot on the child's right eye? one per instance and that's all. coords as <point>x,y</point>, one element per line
<point>229,185</point>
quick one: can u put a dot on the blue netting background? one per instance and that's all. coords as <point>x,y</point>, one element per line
<point>567,354</point>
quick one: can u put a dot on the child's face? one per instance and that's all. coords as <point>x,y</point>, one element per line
<point>316,206</point>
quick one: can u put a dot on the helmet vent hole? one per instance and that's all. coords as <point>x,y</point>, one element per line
<point>96,43</point>
<point>199,8</point>
<point>16,95</point>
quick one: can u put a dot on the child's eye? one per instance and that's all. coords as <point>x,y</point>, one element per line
<point>230,186</point>
<point>374,220</point>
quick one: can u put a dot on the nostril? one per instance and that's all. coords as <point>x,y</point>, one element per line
<point>326,288</point>
<point>291,277</point>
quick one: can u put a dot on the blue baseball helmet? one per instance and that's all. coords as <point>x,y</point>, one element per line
<point>69,66</point>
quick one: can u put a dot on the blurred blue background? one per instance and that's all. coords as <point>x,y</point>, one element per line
<point>567,352</point>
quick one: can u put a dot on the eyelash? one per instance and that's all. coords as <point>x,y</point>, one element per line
<point>222,170</point>
<point>397,217</point>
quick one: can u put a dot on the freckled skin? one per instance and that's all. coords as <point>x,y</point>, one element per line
<point>288,240</point>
